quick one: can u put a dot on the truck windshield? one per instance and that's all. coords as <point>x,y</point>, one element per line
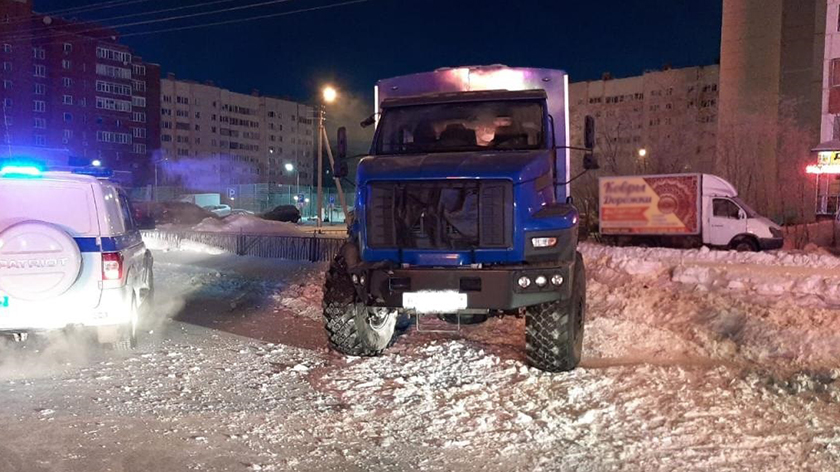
<point>465,126</point>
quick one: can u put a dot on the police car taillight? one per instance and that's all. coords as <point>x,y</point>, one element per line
<point>112,266</point>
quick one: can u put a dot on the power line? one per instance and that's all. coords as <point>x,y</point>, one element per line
<point>240,20</point>
<point>22,34</point>
<point>167,19</point>
<point>243,20</point>
<point>76,10</point>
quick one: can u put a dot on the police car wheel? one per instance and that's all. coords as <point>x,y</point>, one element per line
<point>128,333</point>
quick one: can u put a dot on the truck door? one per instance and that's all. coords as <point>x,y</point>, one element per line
<point>725,222</point>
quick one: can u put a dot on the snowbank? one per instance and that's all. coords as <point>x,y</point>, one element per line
<point>249,224</point>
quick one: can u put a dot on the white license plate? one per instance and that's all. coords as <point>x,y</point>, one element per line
<point>433,302</point>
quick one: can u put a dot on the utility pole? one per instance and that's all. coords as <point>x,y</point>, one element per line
<point>320,164</point>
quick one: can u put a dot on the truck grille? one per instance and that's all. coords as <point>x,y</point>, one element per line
<point>447,215</point>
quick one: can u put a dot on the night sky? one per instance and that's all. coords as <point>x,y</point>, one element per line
<point>352,46</point>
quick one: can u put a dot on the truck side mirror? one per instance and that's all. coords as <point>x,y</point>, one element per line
<point>369,121</point>
<point>342,143</point>
<point>589,132</point>
<point>590,162</point>
<point>341,170</point>
<point>742,215</point>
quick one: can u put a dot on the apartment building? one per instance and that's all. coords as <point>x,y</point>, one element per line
<point>211,137</point>
<point>72,93</point>
<point>660,121</point>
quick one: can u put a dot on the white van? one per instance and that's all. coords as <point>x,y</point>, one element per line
<point>682,210</point>
<point>70,256</point>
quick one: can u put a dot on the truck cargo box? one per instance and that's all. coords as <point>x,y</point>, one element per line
<point>650,205</point>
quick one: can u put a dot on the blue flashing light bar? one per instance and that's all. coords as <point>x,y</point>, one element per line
<point>20,171</point>
<point>98,172</point>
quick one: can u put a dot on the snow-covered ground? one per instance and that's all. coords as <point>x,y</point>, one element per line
<point>694,360</point>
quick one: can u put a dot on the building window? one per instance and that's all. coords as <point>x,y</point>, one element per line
<point>7,103</point>
<point>40,106</point>
<point>68,117</point>
<point>110,87</point>
<point>110,137</point>
<point>182,113</point>
<point>198,115</point>
<point>139,85</point>
<point>111,71</point>
<point>67,99</point>
<point>166,124</point>
<point>113,104</point>
<point>7,84</point>
<point>139,69</point>
<point>67,135</point>
<point>68,48</point>
<point>165,138</point>
<point>183,100</point>
<point>139,148</point>
<point>39,123</point>
<point>138,116</point>
<point>138,102</point>
<point>165,112</point>
<point>113,55</point>
<point>40,70</point>
<point>40,89</point>
<point>38,53</point>
<point>66,64</point>
<point>40,140</point>
<point>67,81</point>
<point>7,66</point>
<point>167,99</point>
<point>138,132</point>
<point>7,47</point>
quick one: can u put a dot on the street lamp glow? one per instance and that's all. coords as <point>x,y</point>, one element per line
<point>96,163</point>
<point>330,94</point>
<point>642,152</point>
<point>289,167</point>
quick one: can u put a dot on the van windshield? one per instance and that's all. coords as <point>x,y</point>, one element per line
<point>465,126</point>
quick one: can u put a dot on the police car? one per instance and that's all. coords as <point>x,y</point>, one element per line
<point>71,256</point>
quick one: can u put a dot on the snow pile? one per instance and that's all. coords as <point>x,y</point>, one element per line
<point>171,244</point>
<point>248,224</point>
<point>812,279</point>
<point>304,300</point>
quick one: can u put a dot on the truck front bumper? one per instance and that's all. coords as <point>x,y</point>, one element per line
<point>114,308</point>
<point>495,288</point>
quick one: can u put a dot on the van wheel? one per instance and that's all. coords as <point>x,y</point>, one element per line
<point>744,245</point>
<point>554,330</point>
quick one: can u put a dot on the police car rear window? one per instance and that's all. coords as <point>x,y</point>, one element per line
<point>70,206</point>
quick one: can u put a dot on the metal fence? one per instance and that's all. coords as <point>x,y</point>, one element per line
<point>257,198</point>
<point>297,248</point>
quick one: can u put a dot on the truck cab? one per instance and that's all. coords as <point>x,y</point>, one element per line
<point>730,222</point>
<point>462,209</point>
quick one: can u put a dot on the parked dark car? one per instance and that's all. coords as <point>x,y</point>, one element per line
<point>288,213</point>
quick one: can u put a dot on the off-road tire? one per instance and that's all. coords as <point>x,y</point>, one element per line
<point>744,244</point>
<point>554,330</point>
<point>346,318</point>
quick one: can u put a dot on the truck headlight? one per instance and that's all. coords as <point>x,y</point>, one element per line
<point>540,281</point>
<point>544,242</point>
<point>524,282</point>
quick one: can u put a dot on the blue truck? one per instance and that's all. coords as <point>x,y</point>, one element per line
<point>463,211</point>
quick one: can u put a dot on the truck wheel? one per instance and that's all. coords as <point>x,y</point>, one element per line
<point>352,327</point>
<point>554,330</point>
<point>744,245</point>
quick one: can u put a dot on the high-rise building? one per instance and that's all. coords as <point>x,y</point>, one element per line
<point>71,90</point>
<point>826,168</point>
<point>211,137</point>
<point>771,76</point>
<point>661,121</point>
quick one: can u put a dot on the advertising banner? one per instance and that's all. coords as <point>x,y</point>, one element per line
<point>650,204</point>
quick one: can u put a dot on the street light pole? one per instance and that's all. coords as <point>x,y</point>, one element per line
<point>320,164</point>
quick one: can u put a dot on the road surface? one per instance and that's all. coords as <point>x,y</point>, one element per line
<point>693,361</point>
